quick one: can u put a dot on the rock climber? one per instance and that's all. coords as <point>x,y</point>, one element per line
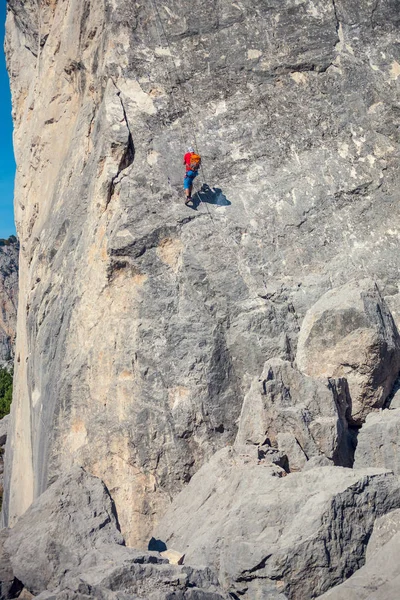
<point>192,162</point>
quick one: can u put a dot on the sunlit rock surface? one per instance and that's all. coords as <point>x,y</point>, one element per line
<point>271,536</point>
<point>143,322</point>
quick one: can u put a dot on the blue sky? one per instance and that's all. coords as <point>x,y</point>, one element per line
<point>7,164</point>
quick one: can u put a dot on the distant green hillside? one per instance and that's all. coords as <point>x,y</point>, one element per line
<point>6,385</point>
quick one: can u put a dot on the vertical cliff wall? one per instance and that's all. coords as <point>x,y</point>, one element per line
<point>9,250</point>
<point>142,322</point>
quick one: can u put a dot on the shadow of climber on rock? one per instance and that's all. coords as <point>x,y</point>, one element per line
<point>210,196</point>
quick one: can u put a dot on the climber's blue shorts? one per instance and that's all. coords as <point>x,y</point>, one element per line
<point>188,181</point>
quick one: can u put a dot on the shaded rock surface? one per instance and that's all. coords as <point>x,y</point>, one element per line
<point>4,427</point>
<point>10,586</point>
<point>144,322</point>
<point>300,416</point>
<point>351,333</point>
<point>272,536</point>
<point>379,579</point>
<point>68,544</point>
<point>9,250</point>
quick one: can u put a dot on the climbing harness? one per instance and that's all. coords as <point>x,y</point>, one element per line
<point>178,81</point>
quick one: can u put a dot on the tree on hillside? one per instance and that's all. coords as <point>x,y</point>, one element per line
<point>6,385</point>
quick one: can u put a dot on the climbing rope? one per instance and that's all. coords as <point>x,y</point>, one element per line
<point>162,33</point>
<point>158,19</point>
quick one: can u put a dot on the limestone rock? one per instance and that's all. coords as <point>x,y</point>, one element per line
<point>317,461</point>
<point>75,515</point>
<point>4,426</point>
<point>116,571</point>
<point>385,528</point>
<point>9,250</point>
<point>350,333</point>
<point>10,587</point>
<point>159,582</point>
<point>378,441</point>
<point>300,416</point>
<point>379,579</point>
<point>395,401</point>
<point>274,537</point>
<point>68,542</point>
<point>144,322</point>
<point>173,557</point>
<point>25,595</point>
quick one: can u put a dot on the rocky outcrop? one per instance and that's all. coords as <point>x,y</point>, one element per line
<point>300,416</point>
<point>69,542</point>
<point>378,442</point>
<point>273,536</point>
<point>10,587</point>
<point>4,426</point>
<point>379,579</point>
<point>9,250</point>
<point>143,323</point>
<point>73,517</point>
<point>350,333</point>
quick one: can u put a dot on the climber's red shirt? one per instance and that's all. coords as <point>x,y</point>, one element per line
<point>186,160</point>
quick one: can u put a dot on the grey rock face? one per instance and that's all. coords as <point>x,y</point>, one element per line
<point>68,544</point>
<point>83,592</point>
<point>143,579</point>
<point>379,579</point>
<point>395,401</point>
<point>4,427</point>
<point>350,333</point>
<point>10,587</point>
<point>385,528</point>
<point>298,415</point>
<point>9,250</point>
<point>119,572</point>
<point>378,441</point>
<point>72,517</point>
<point>144,322</point>
<point>269,534</point>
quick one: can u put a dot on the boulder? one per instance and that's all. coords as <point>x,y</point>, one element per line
<point>378,441</point>
<point>68,545</point>
<point>277,537</point>
<point>384,529</point>
<point>173,557</point>
<point>9,251</point>
<point>379,578</point>
<point>83,592</point>
<point>300,416</point>
<point>395,401</point>
<point>350,333</point>
<point>10,586</point>
<point>4,425</point>
<point>119,572</point>
<point>75,515</point>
